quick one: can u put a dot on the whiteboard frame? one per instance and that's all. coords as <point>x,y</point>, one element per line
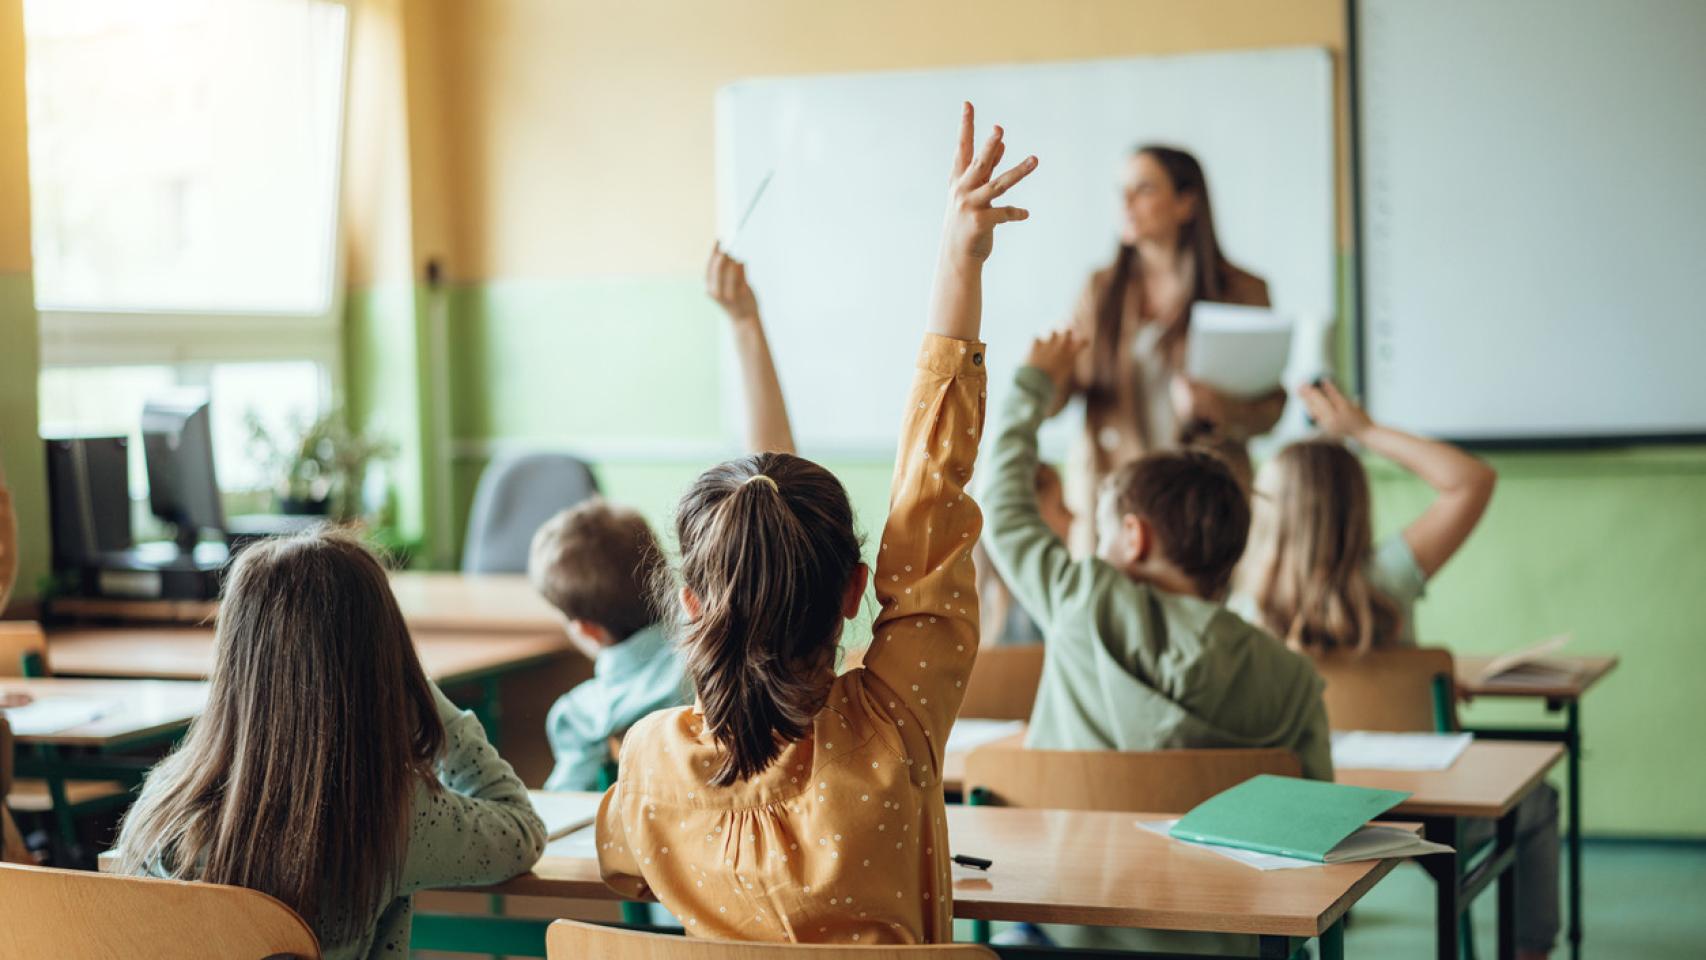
<point>1358,300</point>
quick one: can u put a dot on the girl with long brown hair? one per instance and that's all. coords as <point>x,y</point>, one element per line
<point>1313,574</point>
<point>790,803</point>
<point>326,770</point>
<point>1136,314</point>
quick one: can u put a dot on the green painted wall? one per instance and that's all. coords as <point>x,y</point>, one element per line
<point>1603,544</point>
<point>20,444</point>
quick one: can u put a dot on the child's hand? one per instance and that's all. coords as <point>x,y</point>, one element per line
<point>1335,413</point>
<point>969,234</point>
<point>1055,354</point>
<point>725,282</point>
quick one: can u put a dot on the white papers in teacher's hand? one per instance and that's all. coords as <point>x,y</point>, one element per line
<point>1237,350</point>
<point>1373,750</point>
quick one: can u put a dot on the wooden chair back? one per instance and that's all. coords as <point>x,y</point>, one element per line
<point>571,940</point>
<point>1401,690</point>
<point>21,639</point>
<point>1152,781</point>
<point>79,915</point>
<point>1003,682</point>
<point>12,848</point>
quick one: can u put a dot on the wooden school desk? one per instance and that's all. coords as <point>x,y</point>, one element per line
<point>186,653</point>
<point>1050,866</point>
<point>486,603</point>
<point>1488,781</point>
<point>430,601</point>
<point>1559,694</point>
<point>141,712</point>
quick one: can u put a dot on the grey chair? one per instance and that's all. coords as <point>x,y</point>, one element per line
<point>516,495</point>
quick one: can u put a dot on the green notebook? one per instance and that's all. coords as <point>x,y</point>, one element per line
<point>1287,816</point>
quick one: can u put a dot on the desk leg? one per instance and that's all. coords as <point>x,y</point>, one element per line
<point>1506,840</point>
<point>490,710</point>
<point>1573,744</point>
<point>65,846</point>
<point>1333,941</point>
<point>1270,947</point>
<point>1447,885</point>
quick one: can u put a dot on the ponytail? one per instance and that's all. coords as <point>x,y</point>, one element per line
<point>768,548</point>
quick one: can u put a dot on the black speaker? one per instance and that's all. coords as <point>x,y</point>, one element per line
<point>88,481</point>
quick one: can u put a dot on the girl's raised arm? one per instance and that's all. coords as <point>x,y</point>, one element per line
<point>1463,485</point>
<point>927,630</point>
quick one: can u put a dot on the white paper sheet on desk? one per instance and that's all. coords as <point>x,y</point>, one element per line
<point>1250,858</point>
<point>1370,750</point>
<point>52,714</point>
<point>968,733</point>
<point>580,844</point>
<point>564,813</point>
<point>1237,350</point>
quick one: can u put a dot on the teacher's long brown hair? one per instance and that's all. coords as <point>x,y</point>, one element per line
<point>297,780</point>
<point>1196,239</point>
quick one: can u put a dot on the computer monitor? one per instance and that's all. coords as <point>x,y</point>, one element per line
<point>177,441</point>
<point>88,483</point>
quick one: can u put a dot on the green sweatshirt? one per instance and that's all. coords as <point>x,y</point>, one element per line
<point>1129,666</point>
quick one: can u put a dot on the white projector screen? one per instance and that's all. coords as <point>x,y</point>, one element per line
<point>842,244</point>
<point>1533,207</point>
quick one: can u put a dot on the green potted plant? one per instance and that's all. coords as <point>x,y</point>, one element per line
<point>319,466</point>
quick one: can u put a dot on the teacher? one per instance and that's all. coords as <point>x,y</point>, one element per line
<point>1135,314</point>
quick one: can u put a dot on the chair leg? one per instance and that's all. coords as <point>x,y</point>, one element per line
<point>1466,936</point>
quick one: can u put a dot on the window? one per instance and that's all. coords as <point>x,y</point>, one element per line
<point>107,401</point>
<point>184,161</point>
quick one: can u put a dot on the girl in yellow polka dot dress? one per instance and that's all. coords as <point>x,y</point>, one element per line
<point>789,803</point>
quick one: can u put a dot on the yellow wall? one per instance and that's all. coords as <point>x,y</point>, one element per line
<point>14,154</point>
<point>579,134</point>
<point>20,449</point>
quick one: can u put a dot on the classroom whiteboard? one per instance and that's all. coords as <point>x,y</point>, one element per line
<point>1534,216</point>
<point>842,245</point>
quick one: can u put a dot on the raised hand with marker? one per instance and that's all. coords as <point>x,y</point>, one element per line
<point>767,426</point>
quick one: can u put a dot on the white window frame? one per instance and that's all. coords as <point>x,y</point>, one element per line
<point>103,338</point>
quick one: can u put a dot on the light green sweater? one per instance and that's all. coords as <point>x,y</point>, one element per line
<point>1128,666</point>
<point>477,827</point>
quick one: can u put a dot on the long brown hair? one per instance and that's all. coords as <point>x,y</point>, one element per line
<point>768,548</point>
<point>1311,539</point>
<point>297,779</point>
<point>1209,268</point>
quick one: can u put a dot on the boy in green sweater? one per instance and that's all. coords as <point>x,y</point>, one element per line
<point>1141,653</point>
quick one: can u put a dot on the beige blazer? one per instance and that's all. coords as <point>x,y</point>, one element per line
<point>1121,421</point>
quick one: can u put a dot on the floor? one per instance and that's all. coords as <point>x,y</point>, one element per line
<point>1640,900</point>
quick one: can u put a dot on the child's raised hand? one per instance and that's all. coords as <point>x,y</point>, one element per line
<point>1333,411</point>
<point>969,233</point>
<point>725,282</point>
<point>1055,354</point>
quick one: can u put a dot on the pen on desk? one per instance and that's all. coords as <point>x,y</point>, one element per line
<point>976,863</point>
